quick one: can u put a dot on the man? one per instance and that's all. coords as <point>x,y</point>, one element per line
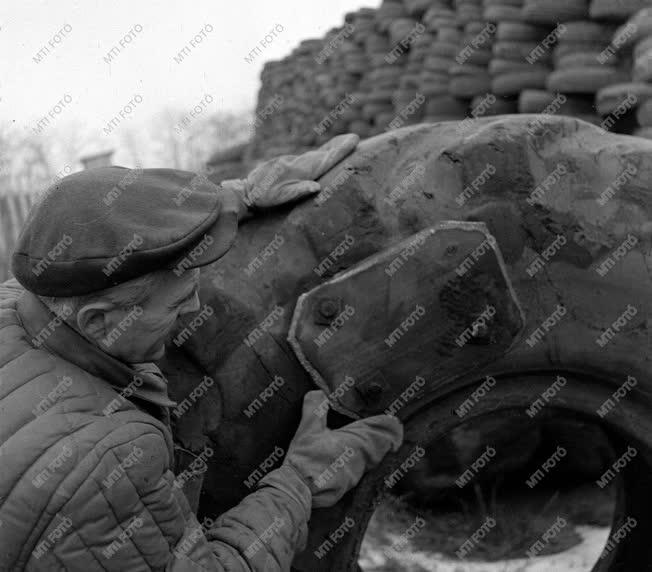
<point>85,447</point>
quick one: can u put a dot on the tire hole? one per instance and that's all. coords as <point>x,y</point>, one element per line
<point>480,482</point>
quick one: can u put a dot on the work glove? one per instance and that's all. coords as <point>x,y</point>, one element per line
<point>289,177</point>
<point>332,461</point>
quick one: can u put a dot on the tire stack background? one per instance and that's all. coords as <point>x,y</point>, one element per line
<point>588,71</point>
<point>419,49</point>
<point>410,81</point>
<point>354,70</point>
<point>272,132</point>
<point>376,46</point>
<point>400,62</point>
<point>440,21</point>
<point>470,72</point>
<point>636,36</point>
<point>306,92</point>
<point>381,83</point>
<point>578,74</point>
<point>510,69</point>
<point>350,66</point>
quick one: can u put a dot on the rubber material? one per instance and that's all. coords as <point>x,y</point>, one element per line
<point>584,80</point>
<point>514,83</point>
<point>426,167</point>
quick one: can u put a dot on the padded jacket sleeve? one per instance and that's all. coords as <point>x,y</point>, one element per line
<point>129,514</point>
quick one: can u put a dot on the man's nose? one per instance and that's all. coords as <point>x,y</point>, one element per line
<point>191,305</point>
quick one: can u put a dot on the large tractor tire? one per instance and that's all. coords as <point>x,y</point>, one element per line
<point>530,180</point>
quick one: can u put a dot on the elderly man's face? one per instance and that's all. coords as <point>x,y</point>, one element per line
<point>142,337</point>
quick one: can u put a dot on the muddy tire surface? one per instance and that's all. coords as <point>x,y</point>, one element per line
<point>552,189</point>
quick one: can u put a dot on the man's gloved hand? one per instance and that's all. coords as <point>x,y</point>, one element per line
<point>332,461</point>
<point>290,177</point>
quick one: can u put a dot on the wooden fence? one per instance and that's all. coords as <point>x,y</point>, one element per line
<point>14,208</point>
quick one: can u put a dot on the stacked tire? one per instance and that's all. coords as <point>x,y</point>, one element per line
<point>510,70</point>
<point>641,43</point>
<point>412,61</point>
<point>343,69</point>
<point>470,74</point>
<point>409,105</point>
<point>417,8</point>
<point>378,88</point>
<point>376,46</point>
<point>388,11</point>
<point>434,81</point>
<point>580,67</point>
<point>551,12</point>
<point>548,103</point>
<point>617,10</point>
<point>346,67</point>
<point>267,128</point>
<point>305,93</point>
<point>631,46</point>
<point>378,82</point>
<point>275,119</point>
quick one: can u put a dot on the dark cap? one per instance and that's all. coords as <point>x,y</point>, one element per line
<point>101,227</point>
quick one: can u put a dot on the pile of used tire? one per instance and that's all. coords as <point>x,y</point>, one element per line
<point>635,40</point>
<point>441,23</point>
<point>469,73</point>
<point>410,61</point>
<point>510,71</point>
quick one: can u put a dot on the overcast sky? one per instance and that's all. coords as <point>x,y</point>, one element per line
<point>39,68</point>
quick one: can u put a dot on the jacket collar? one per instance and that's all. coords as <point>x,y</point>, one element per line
<point>47,329</point>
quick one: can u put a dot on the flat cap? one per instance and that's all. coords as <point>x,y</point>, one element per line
<point>101,227</point>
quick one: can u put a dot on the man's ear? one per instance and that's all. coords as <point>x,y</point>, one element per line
<point>93,322</point>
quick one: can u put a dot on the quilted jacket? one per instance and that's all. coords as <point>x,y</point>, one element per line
<point>85,479</point>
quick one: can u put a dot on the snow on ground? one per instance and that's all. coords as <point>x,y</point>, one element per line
<point>580,558</point>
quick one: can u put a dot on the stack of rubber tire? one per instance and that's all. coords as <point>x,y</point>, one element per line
<point>469,73</point>
<point>403,33</point>
<point>581,69</point>
<point>434,81</point>
<point>493,55</point>
<point>379,84</point>
<point>417,8</point>
<point>388,12</point>
<point>578,56</point>
<point>293,83</point>
<point>634,40</point>
<point>512,69</point>
<point>642,70</point>
<point>409,97</point>
<point>331,78</point>
<point>552,15</point>
<point>352,69</point>
<point>409,103</point>
<point>272,129</point>
<point>376,46</point>
<point>616,10</point>
<point>348,64</point>
<point>304,93</point>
